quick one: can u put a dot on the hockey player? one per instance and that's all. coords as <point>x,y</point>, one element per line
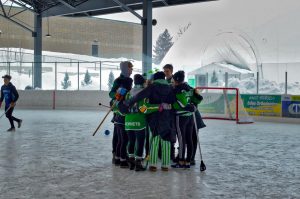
<point>184,107</point>
<point>135,125</point>
<point>126,70</point>
<point>159,92</point>
<point>11,96</point>
<point>119,121</point>
<point>168,70</point>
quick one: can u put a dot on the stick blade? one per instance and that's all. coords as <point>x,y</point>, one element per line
<point>202,166</point>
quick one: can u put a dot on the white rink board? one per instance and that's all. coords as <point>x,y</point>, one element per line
<point>54,155</point>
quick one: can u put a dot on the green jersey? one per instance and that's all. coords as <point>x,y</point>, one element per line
<point>183,98</point>
<point>136,119</point>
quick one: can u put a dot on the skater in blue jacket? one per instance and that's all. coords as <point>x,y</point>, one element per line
<point>11,96</point>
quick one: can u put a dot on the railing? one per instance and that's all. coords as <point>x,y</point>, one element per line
<point>22,56</point>
<point>283,82</point>
<point>64,75</point>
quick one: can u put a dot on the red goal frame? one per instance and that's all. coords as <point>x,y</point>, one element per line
<point>237,119</point>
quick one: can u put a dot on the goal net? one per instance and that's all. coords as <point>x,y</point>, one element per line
<point>223,104</point>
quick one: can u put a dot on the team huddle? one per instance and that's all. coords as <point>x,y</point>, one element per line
<point>153,115</point>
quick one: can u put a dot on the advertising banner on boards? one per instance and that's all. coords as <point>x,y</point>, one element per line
<point>263,105</point>
<point>291,106</point>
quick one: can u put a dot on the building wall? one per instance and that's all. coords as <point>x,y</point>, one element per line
<point>76,35</point>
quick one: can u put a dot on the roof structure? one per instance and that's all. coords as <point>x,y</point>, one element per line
<point>78,8</point>
<point>91,7</point>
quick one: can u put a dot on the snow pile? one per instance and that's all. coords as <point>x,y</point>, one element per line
<point>248,86</point>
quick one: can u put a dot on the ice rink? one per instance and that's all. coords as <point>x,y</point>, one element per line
<point>54,155</point>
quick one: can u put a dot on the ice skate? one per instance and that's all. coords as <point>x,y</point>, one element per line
<point>20,123</point>
<point>131,163</point>
<point>124,164</point>
<point>13,129</point>
<point>164,168</point>
<point>139,166</point>
<point>153,168</point>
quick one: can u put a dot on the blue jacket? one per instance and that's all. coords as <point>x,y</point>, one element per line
<point>9,93</point>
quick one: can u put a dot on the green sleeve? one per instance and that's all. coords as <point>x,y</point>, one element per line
<point>147,108</point>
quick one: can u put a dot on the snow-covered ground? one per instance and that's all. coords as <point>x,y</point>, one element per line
<point>24,78</point>
<point>54,155</point>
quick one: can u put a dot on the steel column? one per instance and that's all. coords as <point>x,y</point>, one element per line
<point>37,51</point>
<point>147,36</point>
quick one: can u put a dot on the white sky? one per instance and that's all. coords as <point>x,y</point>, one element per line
<point>222,14</point>
<point>182,15</point>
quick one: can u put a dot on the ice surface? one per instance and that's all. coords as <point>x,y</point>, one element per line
<point>54,155</point>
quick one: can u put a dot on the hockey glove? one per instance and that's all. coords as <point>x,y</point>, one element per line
<point>164,106</point>
<point>121,92</point>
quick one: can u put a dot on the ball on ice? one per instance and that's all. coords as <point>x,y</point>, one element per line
<point>106,132</point>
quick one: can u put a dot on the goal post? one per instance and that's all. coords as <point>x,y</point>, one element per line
<point>223,104</point>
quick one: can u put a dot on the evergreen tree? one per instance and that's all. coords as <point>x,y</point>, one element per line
<point>111,79</point>
<point>66,83</point>
<point>214,78</point>
<point>162,46</point>
<point>87,78</point>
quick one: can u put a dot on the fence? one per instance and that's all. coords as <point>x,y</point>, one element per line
<point>24,55</point>
<point>64,75</point>
<point>274,79</point>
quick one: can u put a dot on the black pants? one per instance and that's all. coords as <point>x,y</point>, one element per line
<point>121,150</point>
<point>184,128</point>
<point>136,142</point>
<point>115,140</point>
<point>10,117</point>
<point>147,144</point>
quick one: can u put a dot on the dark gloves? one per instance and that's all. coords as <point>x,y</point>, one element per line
<point>164,106</point>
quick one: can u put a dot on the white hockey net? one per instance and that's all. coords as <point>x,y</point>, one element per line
<point>223,104</point>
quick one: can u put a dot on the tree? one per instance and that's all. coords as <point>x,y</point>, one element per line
<point>87,79</point>
<point>162,46</point>
<point>66,83</point>
<point>214,78</point>
<point>111,79</point>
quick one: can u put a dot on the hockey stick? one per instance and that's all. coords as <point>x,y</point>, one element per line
<point>100,104</point>
<point>5,112</point>
<point>202,165</point>
<point>108,112</point>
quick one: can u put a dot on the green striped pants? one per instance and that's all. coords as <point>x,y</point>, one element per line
<point>165,150</point>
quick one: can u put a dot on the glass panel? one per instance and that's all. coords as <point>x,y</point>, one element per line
<point>21,73</point>
<point>67,76</point>
<point>3,68</point>
<point>89,76</point>
<point>272,78</point>
<point>48,76</point>
<point>293,72</point>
